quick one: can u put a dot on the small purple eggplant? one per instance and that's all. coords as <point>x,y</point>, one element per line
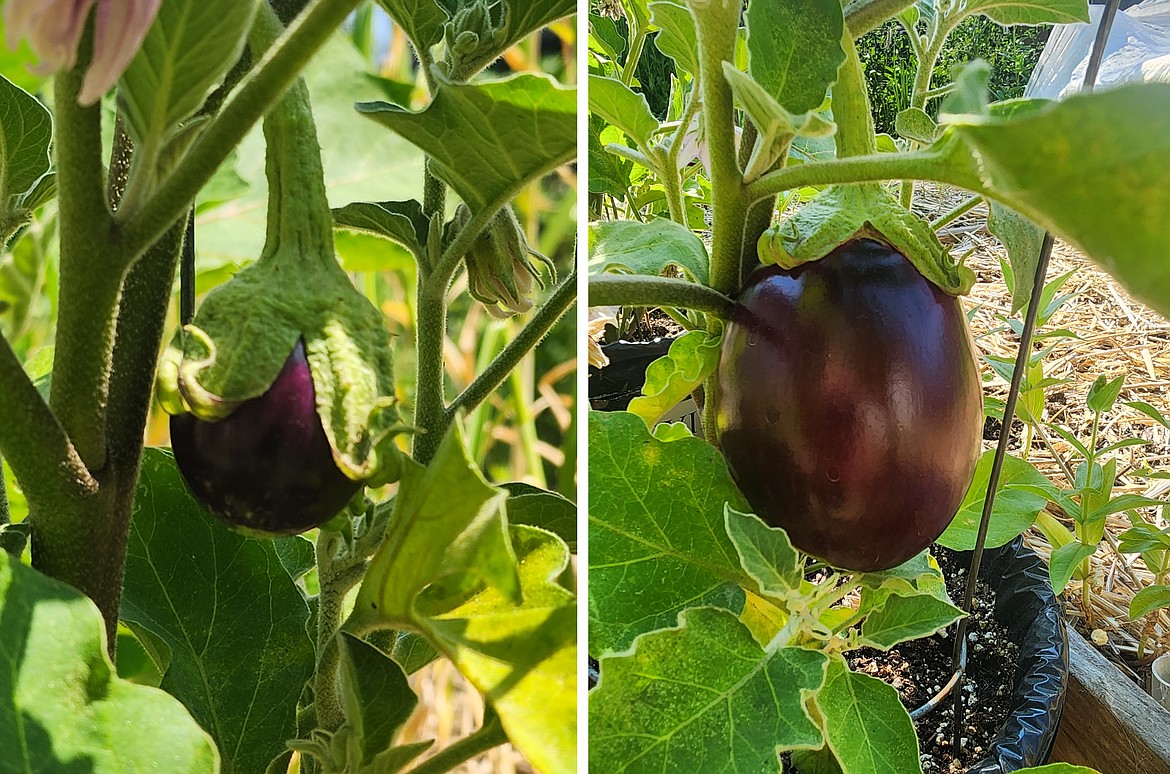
<point>267,467</point>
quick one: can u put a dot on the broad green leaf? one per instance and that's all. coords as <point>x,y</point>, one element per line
<point>522,657</point>
<point>26,129</point>
<point>1103,394</point>
<point>630,247</point>
<point>62,706</point>
<point>915,124</point>
<point>866,726</point>
<point>672,377</point>
<point>657,539</point>
<point>672,431</point>
<point>486,140</point>
<point>1057,768</point>
<point>538,507</point>
<point>378,699</point>
<point>677,37</point>
<point>1141,538</point>
<point>185,55</point>
<point>606,38</point>
<point>1010,12</point>
<point>1064,562</point>
<point>607,173</point>
<point>1121,503</point>
<point>622,107</point>
<point>1014,508</point>
<point>794,49</point>
<point>919,574</point>
<point>227,609</point>
<point>762,617</point>
<point>895,618</point>
<point>765,553</point>
<point>1022,239</point>
<point>296,555</point>
<point>1057,164</point>
<point>447,525</point>
<point>421,20</point>
<point>1149,599</point>
<point>402,222</point>
<point>702,697</point>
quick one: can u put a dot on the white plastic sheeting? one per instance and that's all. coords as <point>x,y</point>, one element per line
<point>1138,50</point>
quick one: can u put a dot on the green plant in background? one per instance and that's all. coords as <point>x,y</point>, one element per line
<point>255,640</point>
<point>888,55</point>
<point>746,133</point>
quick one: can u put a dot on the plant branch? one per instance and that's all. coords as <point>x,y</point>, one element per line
<point>326,701</point>
<point>33,441</point>
<point>257,93</point>
<point>956,212</point>
<point>91,269</point>
<point>918,165</point>
<point>530,335</point>
<point>639,290</point>
<point>717,24</point>
<point>490,735</point>
<point>865,15</point>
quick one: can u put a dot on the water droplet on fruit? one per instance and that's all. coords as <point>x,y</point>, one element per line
<point>772,415</point>
<point>833,474</point>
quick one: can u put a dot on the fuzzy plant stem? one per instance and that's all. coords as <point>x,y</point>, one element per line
<point>5,512</point>
<point>326,699</point>
<point>866,15</point>
<point>91,270</point>
<point>640,290</point>
<point>718,24</point>
<point>257,93</point>
<point>480,741</point>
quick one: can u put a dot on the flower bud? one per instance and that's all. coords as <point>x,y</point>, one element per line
<point>500,274</point>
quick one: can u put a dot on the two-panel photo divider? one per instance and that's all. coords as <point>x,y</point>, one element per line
<point>846,451</point>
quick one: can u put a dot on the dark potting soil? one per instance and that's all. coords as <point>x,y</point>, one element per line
<point>918,669</point>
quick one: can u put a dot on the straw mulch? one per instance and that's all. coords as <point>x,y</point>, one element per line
<point>1116,336</point>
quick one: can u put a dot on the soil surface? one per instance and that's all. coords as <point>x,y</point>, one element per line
<point>918,669</point>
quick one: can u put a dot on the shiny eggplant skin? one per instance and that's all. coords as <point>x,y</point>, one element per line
<point>849,406</point>
<point>267,467</point>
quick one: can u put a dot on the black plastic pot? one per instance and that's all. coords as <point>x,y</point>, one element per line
<point>1029,609</point>
<point>613,387</point>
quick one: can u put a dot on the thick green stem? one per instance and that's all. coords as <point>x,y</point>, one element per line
<point>717,24</point>
<point>866,15</point>
<point>480,741</point>
<point>33,441</point>
<point>920,165</point>
<point>259,90</point>
<point>91,270</point>
<point>638,290</point>
<point>326,699</point>
<point>430,333</point>
<point>530,335</point>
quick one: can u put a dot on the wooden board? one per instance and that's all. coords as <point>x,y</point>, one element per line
<point>1108,722</point>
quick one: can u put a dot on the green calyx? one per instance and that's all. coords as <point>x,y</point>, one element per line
<point>845,212</point>
<point>500,274</point>
<point>246,329</point>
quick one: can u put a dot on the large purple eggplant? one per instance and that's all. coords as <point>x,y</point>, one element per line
<point>267,467</point>
<point>849,405</point>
